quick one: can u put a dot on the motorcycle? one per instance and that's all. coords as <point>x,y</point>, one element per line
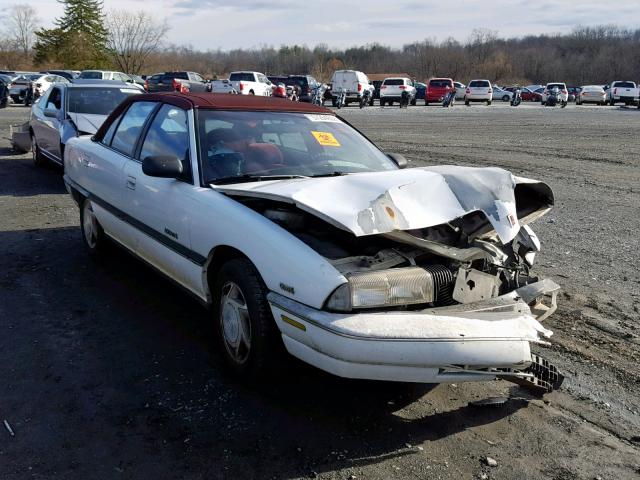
<point>516,99</point>
<point>365,98</point>
<point>285,91</point>
<point>449,98</point>
<point>318,95</point>
<point>553,98</point>
<point>341,99</point>
<point>404,99</point>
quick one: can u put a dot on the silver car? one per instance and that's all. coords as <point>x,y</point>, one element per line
<point>68,110</point>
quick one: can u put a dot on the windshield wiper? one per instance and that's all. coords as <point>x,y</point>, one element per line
<point>250,178</point>
<point>332,174</point>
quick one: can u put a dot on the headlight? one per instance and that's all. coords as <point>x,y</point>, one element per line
<point>384,288</point>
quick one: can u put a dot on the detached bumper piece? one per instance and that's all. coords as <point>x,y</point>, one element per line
<point>543,377</point>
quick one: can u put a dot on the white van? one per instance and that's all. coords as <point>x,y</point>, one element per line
<point>355,83</point>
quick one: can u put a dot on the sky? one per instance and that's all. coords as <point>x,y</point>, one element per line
<point>229,24</point>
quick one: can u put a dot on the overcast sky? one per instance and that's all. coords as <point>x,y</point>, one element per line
<point>228,24</point>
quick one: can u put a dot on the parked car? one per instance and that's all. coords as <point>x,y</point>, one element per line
<point>478,91</point>
<point>564,94</point>
<point>20,84</point>
<point>437,89</point>
<point>499,93</point>
<point>591,94</point>
<point>421,90</point>
<point>573,93</point>
<point>251,83</point>
<point>410,275</point>
<point>529,95</point>
<point>68,74</point>
<point>68,110</point>
<point>460,90</point>
<point>622,92</point>
<point>179,81</point>
<point>392,88</point>
<point>354,83</point>
<point>305,85</point>
<point>221,86</point>
<point>4,90</point>
<point>104,75</point>
<point>138,80</point>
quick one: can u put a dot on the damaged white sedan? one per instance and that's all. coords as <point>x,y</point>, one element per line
<point>298,231</point>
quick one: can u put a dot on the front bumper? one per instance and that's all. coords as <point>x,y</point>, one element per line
<point>470,342</point>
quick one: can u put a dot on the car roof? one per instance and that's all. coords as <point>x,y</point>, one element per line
<point>86,82</point>
<point>217,101</point>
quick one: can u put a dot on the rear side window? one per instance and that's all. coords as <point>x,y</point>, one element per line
<point>130,127</point>
<point>479,83</point>
<point>244,77</point>
<point>393,81</point>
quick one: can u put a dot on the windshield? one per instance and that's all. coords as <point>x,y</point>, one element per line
<point>98,100</point>
<point>255,144</point>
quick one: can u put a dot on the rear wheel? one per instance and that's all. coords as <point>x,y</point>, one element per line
<point>413,102</point>
<point>381,102</point>
<point>426,103</point>
<point>488,102</point>
<point>38,159</point>
<point>249,338</point>
<point>93,235</point>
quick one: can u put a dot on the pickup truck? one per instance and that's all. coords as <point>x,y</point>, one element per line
<point>176,82</point>
<point>251,83</point>
<point>622,92</point>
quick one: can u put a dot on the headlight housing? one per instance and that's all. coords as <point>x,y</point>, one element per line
<point>383,288</point>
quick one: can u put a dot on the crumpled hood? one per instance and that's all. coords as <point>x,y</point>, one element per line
<point>415,198</point>
<point>86,122</point>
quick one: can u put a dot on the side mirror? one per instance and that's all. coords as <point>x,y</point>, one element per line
<point>398,159</point>
<point>51,112</point>
<point>162,166</point>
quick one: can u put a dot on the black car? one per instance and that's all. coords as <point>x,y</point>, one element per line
<point>305,84</point>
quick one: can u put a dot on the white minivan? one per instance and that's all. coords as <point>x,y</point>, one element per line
<point>353,82</point>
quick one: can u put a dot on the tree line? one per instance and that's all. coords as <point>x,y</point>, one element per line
<point>134,42</point>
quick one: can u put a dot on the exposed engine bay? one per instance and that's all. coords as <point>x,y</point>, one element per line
<point>443,264</point>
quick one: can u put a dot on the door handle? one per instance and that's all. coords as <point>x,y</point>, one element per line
<point>131,183</point>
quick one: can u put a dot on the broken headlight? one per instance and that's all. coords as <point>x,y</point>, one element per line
<point>384,288</point>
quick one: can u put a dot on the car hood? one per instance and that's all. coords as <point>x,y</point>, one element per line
<point>381,202</point>
<point>86,122</point>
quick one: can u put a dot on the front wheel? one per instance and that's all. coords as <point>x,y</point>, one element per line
<point>488,102</point>
<point>249,339</point>
<point>506,98</point>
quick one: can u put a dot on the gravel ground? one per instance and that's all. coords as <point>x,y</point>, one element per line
<point>108,370</point>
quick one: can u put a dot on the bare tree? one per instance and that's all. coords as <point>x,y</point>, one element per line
<point>22,23</point>
<point>133,36</point>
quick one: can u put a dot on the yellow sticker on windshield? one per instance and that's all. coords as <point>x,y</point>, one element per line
<point>325,139</point>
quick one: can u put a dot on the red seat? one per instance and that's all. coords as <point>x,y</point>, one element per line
<point>262,157</point>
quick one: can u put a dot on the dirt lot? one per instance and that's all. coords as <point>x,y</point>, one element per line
<point>108,371</point>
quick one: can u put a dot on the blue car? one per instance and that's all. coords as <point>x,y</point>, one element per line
<point>421,88</point>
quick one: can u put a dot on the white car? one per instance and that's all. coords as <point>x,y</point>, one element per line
<point>478,91</point>
<point>353,83</point>
<point>298,232</point>
<point>591,94</point>
<point>392,88</point>
<point>460,90</point>
<point>251,83</point>
<point>44,82</point>
<point>501,94</point>
<point>562,87</point>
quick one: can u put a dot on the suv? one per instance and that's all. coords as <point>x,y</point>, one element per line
<point>353,82</point>
<point>437,89</point>
<point>392,88</point>
<point>564,93</point>
<point>478,91</point>
<point>176,82</point>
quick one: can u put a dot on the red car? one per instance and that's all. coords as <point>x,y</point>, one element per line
<point>437,89</point>
<point>531,95</point>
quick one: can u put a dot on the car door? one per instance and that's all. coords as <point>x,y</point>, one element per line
<point>163,206</point>
<point>49,137</point>
<point>102,172</point>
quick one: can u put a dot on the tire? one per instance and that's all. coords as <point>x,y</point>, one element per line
<point>251,92</point>
<point>371,102</point>
<point>466,102</point>
<point>93,236</point>
<point>488,102</point>
<point>543,103</point>
<point>390,103</point>
<point>506,98</point>
<point>39,160</point>
<point>381,103</point>
<point>413,102</point>
<point>612,102</point>
<point>249,339</point>
<point>426,103</point>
